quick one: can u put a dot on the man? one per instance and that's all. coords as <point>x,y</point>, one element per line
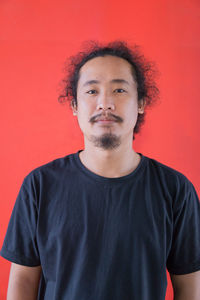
<point>105,222</point>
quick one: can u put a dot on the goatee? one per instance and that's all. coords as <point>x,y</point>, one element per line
<point>106,141</point>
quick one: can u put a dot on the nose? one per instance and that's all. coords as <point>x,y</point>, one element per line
<point>105,103</point>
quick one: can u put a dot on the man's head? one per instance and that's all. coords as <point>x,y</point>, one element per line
<point>106,95</point>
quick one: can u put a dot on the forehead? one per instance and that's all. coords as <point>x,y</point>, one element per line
<point>106,67</point>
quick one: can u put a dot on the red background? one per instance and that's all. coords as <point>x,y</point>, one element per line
<point>36,38</point>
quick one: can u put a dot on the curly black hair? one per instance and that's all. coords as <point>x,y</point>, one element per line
<point>144,72</point>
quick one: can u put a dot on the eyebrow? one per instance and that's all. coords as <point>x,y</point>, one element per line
<point>117,80</point>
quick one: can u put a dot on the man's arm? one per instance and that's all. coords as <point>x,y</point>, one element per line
<point>23,282</point>
<point>186,287</point>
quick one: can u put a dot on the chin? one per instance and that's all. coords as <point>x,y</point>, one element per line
<point>106,141</point>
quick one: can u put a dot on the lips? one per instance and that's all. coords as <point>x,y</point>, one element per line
<point>105,122</point>
<point>105,119</point>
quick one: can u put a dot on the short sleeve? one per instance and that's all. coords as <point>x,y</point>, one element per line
<point>184,255</point>
<point>20,243</point>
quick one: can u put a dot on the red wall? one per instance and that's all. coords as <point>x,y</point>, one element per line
<point>37,36</point>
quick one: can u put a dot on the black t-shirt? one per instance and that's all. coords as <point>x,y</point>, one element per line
<point>100,238</point>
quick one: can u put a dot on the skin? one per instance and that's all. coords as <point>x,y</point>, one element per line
<point>108,147</point>
<point>23,282</point>
<point>186,287</point>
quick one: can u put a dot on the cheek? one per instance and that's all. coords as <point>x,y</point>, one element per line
<point>131,108</point>
<point>84,113</point>
<point>131,113</point>
<point>87,108</point>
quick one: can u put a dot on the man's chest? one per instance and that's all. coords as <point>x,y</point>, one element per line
<point>132,220</point>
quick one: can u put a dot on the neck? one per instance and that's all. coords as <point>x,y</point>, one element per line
<point>110,163</point>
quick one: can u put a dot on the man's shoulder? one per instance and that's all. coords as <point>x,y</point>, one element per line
<point>172,181</point>
<point>52,168</point>
<point>166,172</point>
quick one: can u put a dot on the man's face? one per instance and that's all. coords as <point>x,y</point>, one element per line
<point>107,89</point>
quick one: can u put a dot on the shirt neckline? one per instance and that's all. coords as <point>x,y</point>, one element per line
<point>108,180</point>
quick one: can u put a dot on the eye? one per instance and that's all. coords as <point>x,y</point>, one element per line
<point>120,90</point>
<point>91,92</point>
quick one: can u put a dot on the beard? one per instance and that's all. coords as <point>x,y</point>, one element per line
<point>106,141</point>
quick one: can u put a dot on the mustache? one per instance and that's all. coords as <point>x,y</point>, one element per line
<point>116,118</point>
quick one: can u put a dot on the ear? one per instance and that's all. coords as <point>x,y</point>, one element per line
<point>141,106</point>
<point>74,107</point>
